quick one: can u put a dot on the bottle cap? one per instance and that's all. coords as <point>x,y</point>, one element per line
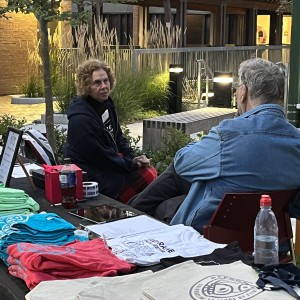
<point>67,160</point>
<point>265,200</point>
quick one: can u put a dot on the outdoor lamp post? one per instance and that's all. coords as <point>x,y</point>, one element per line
<point>222,89</point>
<point>175,88</point>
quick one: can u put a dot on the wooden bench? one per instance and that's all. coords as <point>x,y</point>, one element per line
<point>188,122</point>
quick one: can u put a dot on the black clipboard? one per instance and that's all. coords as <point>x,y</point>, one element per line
<point>9,154</point>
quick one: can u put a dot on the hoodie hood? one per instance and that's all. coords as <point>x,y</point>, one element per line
<point>79,105</point>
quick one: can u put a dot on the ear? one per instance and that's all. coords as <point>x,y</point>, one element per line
<point>243,92</point>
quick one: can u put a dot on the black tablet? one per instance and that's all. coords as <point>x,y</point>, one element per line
<point>102,213</point>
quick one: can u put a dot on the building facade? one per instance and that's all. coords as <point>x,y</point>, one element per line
<point>204,23</point>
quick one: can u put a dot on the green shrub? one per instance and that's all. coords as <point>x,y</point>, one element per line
<point>9,120</point>
<point>63,91</point>
<point>176,140</point>
<point>33,87</point>
<point>161,158</point>
<point>148,114</point>
<point>132,141</point>
<point>60,141</point>
<point>157,92</point>
<point>138,92</point>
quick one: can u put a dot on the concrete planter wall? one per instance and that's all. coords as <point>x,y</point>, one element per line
<point>19,99</point>
<point>58,119</point>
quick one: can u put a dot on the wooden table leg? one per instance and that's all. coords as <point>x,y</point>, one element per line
<point>26,173</point>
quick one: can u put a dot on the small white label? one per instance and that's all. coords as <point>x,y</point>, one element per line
<point>63,178</point>
<point>105,116</point>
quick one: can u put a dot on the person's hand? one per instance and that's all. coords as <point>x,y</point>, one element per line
<point>142,161</point>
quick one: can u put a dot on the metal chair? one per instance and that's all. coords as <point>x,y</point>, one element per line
<point>235,216</point>
<point>35,146</point>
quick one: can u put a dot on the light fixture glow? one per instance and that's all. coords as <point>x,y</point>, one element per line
<point>222,89</point>
<point>223,79</point>
<point>175,69</point>
<point>175,88</point>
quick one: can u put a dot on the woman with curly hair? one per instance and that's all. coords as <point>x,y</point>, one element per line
<point>95,141</point>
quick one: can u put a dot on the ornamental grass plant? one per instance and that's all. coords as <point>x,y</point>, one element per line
<point>33,86</point>
<point>138,93</point>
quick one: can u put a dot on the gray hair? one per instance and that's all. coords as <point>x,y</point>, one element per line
<point>263,79</point>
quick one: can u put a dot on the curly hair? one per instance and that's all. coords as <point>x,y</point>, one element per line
<point>84,75</point>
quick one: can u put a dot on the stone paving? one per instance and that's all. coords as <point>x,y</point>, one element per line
<point>30,112</point>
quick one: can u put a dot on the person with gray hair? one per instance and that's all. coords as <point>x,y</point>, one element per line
<point>259,150</point>
<point>95,141</point>
<point>262,80</point>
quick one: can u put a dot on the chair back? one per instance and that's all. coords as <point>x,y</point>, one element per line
<point>235,216</point>
<point>35,146</point>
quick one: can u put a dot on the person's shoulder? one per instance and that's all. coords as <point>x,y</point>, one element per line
<point>268,118</point>
<point>75,102</point>
<point>79,106</point>
<point>232,127</point>
<point>229,123</point>
<point>79,100</point>
<point>252,117</point>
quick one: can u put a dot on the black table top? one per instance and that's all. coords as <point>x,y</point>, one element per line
<point>12,288</point>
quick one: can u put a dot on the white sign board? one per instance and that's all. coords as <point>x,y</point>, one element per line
<point>9,154</point>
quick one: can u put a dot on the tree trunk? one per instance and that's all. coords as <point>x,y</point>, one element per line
<point>167,7</point>
<point>47,82</point>
<point>97,11</point>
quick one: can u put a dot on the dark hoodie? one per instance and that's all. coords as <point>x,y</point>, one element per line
<point>94,149</point>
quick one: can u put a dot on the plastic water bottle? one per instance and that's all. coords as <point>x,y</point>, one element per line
<point>265,234</point>
<point>67,179</point>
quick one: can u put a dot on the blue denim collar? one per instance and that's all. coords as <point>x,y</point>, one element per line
<point>262,107</point>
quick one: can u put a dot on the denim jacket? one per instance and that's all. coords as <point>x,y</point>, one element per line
<point>257,151</point>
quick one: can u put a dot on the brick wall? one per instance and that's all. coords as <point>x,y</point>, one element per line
<point>17,34</point>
